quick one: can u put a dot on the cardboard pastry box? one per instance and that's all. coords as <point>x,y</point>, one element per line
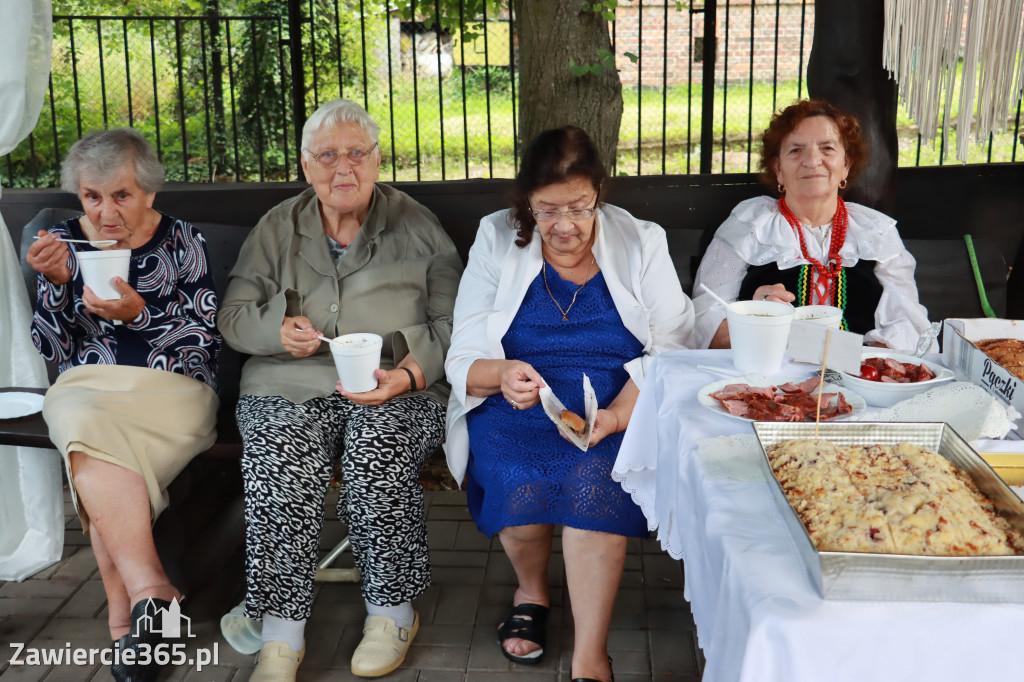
<point>970,364</point>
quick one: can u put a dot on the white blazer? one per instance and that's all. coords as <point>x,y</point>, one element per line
<point>633,254</point>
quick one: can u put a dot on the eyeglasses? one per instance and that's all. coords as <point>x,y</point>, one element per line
<point>549,216</point>
<point>330,158</point>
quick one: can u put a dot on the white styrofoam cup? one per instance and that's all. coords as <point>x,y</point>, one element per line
<point>356,356</point>
<point>99,268</point>
<point>759,334</point>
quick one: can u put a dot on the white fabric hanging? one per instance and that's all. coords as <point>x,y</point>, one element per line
<point>26,35</point>
<point>922,45</point>
<point>31,500</point>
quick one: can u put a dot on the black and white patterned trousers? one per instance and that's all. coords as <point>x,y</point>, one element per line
<point>289,454</point>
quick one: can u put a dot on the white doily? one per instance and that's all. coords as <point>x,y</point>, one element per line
<point>738,458</point>
<point>969,409</point>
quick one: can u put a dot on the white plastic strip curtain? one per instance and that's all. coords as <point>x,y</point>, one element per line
<point>31,500</point>
<point>921,50</point>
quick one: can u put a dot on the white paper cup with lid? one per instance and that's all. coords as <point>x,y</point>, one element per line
<point>356,356</point>
<point>759,334</point>
<point>99,268</point>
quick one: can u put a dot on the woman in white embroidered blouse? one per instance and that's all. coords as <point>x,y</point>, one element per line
<point>809,246</point>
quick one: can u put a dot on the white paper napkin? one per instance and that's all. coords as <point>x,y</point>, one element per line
<point>971,410</point>
<point>553,409</point>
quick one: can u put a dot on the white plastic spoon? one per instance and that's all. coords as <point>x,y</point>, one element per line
<point>715,296</point>
<point>318,335</point>
<point>97,243</point>
<point>723,301</point>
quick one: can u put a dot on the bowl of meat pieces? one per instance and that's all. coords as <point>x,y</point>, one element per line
<point>887,378</point>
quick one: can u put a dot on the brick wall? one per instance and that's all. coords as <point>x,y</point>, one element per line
<point>644,28</point>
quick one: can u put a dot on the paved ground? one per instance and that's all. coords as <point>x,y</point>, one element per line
<point>653,636</point>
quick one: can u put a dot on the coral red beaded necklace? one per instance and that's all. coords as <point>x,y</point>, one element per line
<point>840,222</point>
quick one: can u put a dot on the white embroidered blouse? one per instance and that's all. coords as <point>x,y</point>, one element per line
<point>756,233</point>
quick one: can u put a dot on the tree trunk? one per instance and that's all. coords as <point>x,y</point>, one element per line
<point>845,68</point>
<point>551,33</point>
<point>211,8</point>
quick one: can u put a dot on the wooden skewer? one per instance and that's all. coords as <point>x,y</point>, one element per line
<point>821,383</point>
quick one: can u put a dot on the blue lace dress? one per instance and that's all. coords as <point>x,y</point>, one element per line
<point>521,471</point>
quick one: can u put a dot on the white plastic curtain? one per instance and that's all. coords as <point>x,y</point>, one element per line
<point>31,503</point>
<point>25,39</point>
<point>925,40</point>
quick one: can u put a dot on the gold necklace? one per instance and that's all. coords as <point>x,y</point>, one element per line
<point>565,313</point>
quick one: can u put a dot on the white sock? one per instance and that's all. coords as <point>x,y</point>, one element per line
<point>280,630</point>
<point>403,615</point>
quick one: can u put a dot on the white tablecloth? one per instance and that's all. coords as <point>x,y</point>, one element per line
<point>759,618</point>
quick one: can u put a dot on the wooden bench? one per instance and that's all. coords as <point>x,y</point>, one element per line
<point>200,536</point>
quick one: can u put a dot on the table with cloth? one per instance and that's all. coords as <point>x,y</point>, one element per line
<point>759,617</point>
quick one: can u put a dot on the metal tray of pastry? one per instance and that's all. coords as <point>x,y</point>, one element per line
<point>902,577</point>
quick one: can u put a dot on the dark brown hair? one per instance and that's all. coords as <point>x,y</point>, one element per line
<point>787,120</point>
<point>553,157</point>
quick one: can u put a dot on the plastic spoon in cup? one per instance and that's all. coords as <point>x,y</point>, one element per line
<point>723,301</point>
<point>715,296</point>
<point>96,243</point>
<point>318,335</point>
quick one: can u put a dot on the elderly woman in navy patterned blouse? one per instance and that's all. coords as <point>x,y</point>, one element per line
<point>135,399</point>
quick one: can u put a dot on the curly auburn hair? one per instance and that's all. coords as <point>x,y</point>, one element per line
<point>787,120</point>
<point>553,157</point>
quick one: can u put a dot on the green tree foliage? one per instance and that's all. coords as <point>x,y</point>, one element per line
<point>213,95</point>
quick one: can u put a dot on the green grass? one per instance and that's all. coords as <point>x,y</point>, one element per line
<point>651,121</point>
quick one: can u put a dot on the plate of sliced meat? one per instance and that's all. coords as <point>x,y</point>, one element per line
<point>780,399</point>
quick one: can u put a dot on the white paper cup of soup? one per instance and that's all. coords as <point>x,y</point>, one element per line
<point>825,315</point>
<point>759,334</point>
<point>356,356</point>
<point>99,268</point>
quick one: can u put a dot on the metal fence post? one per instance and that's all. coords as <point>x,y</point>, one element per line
<point>707,107</point>
<point>298,75</point>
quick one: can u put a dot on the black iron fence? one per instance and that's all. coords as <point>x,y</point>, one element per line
<point>218,95</point>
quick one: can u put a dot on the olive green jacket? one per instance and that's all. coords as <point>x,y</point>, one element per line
<point>398,279</point>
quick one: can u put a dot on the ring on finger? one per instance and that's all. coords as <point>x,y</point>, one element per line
<point>765,297</point>
<point>513,403</point>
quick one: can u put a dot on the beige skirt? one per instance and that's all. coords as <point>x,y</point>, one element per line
<point>147,420</point>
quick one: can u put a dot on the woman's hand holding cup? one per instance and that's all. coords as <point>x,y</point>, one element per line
<point>125,309</point>
<point>390,382</point>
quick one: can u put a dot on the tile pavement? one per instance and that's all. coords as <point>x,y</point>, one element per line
<point>652,638</point>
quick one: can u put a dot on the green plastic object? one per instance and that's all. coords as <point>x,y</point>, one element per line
<point>986,308</point>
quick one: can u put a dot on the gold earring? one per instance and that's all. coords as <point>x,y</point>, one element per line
<point>842,184</point>
<point>782,189</point>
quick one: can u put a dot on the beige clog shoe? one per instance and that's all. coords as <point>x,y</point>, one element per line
<point>384,646</point>
<point>277,662</point>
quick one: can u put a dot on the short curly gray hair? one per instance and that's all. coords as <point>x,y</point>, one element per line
<point>102,153</point>
<point>336,112</point>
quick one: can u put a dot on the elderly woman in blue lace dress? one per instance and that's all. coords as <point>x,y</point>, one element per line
<point>559,285</point>
<point>135,399</point>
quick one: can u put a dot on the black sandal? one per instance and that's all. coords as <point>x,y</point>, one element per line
<point>528,622</point>
<point>146,628</point>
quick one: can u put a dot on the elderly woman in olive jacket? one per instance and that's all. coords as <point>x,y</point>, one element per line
<point>345,256</point>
